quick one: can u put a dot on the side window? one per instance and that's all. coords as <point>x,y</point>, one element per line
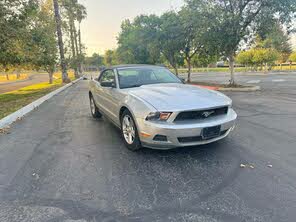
<point>107,76</point>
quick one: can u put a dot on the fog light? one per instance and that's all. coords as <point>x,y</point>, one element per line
<point>160,138</point>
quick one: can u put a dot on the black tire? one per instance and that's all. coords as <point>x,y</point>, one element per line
<point>93,108</point>
<point>135,144</point>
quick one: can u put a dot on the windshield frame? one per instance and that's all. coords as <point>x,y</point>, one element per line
<point>178,80</point>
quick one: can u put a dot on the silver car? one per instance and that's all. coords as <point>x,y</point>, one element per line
<point>155,109</point>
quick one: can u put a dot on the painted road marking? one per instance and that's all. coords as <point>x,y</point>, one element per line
<point>254,81</point>
<point>278,80</point>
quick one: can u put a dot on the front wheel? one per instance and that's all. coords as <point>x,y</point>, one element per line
<point>129,132</point>
<point>93,108</point>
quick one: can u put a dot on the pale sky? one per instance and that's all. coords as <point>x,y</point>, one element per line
<point>100,29</point>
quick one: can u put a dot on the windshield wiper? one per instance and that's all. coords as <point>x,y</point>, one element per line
<point>133,86</point>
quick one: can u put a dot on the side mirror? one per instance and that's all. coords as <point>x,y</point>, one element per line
<point>108,84</point>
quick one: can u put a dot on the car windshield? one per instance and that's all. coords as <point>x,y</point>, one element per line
<point>138,76</point>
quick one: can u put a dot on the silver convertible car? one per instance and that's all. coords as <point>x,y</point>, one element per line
<point>155,109</point>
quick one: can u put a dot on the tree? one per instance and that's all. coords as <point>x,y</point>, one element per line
<point>197,38</point>
<point>110,58</point>
<point>137,41</point>
<point>245,58</point>
<point>170,39</point>
<point>70,8</point>
<point>264,57</point>
<point>14,23</point>
<point>258,57</point>
<point>58,21</point>
<point>292,57</point>
<point>43,43</point>
<point>203,59</point>
<point>80,15</point>
<point>95,60</point>
<point>233,21</point>
<point>279,40</point>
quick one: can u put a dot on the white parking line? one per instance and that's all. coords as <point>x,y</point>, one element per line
<point>278,80</point>
<point>254,81</point>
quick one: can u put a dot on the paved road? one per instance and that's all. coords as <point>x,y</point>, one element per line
<point>59,164</point>
<point>33,79</point>
<point>266,81</point>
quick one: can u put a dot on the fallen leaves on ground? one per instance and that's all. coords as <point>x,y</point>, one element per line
<point>251,166</point>
<point>5,130</point>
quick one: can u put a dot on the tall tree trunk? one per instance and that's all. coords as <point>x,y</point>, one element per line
<point>79,38</point>
<point>60,41</point>
<point>231,67</point>
<point>77,51</point>
<point>188,60</point>
<point>50,75</point>
<point>18,73</point>
<point>72,41</point>
<point>176,70</point>
<point>6,72</point>
<point>73,49</point>
<point>75,38</point>
<point>80,66</point>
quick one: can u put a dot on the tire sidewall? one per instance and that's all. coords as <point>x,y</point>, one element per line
<point>96,113</point>
<point>136,145</point>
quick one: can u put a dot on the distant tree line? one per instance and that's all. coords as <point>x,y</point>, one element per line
<point>29,31</point>
<point>270,46</point>
<point>204,31</point>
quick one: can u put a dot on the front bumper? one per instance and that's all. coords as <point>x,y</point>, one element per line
<point>192,129</point>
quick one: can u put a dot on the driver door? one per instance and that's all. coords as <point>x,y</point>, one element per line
<point>106,99</point>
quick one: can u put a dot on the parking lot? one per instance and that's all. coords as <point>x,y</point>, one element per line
<point>60,164</point>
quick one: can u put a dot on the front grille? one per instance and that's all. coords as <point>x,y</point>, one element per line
<point>201,114</point>
<point>192,139</point>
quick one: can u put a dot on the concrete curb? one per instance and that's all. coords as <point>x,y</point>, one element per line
<point>30,107</point>
<point>242,89</point>
<point>245,89</point>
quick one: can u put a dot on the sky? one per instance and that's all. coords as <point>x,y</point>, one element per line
<point>100,29</point>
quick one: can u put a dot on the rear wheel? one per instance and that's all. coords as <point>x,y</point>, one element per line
<point>93,108</point>
<point>129,132</point>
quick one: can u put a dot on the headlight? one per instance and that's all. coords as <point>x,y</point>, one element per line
<point>161,116</point>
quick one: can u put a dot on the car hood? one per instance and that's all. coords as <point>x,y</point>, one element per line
<point>179,97</point>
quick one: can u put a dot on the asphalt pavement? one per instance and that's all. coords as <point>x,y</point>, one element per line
<point>60,164</point>
<point>267,81</point>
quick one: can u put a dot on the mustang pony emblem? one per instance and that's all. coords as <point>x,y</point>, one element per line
<point>207,113</point>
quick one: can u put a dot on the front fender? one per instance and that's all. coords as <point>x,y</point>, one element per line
<point>138,107</point>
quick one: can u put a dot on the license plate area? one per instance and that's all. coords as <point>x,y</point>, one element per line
<point>210,132</point>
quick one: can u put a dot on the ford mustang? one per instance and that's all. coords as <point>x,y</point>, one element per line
<point>155,109</point>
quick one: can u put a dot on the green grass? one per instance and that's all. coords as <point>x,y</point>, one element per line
<point>12,101</point>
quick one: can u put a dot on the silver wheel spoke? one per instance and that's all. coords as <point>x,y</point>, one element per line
<point>128,129</point>
<point>126,121</point>
<point>130,138</point>
<point>133,132</point>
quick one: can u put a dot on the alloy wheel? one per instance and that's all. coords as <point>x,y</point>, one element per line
<point>128,129</point>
